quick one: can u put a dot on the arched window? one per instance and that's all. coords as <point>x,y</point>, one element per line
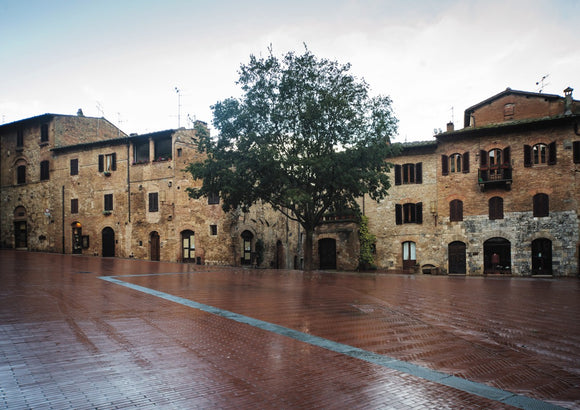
<point>495,157</point>
<point>456,210</point>
<point>455,163</point>
<point>496,208</point>
<point>540,153</point>
<point>541,205</point>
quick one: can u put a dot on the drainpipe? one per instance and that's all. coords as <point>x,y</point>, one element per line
<point>128,182</point>
<point>63,244</point>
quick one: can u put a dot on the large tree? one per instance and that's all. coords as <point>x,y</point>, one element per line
<point>304,137</point>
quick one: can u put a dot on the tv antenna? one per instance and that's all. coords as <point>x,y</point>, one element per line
<point>541,83</point>
<point>178,91</point>
<point>100,109</point>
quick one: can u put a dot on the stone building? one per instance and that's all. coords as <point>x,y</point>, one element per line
<point>73,184</point>
<point>500,195</point>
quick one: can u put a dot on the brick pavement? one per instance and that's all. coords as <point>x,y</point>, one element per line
<point>70,339</point>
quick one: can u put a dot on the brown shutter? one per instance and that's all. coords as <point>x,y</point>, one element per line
<point>466,162</point>
<point>576,148</point>
<point>114,162</point>
<point>552,153</point>
<point>527,156</point>
<point>419,212</point>
<point>483,158</point>
<point>444,165</point>
<point>506,156</point>
<point>397,175</point>
<point>398,214</point>
<point>419,173</point>
<point>101,163</point>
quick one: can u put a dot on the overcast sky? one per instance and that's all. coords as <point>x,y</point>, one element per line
<point>123,59</point>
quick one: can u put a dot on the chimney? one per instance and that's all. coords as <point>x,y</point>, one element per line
<point>568,101</point>
<point>450,127</point>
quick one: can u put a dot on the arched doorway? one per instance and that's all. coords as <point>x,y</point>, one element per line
<point>108,239</point>
<point>541,256</point>
<point>497,256</point>
<point>20,228</point>
<point>457,259</point>
<point>155,247</point>
<point>327,253</point>
<point>247,237</point>
<point>188,246</point>
<point>77,236</point>
<point>280,263</point>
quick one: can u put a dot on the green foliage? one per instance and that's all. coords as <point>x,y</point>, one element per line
<point>367,240</point>
<point>305,135</point>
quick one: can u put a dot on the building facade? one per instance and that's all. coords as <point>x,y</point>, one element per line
<point>72,184</point>
<point>499,196</point>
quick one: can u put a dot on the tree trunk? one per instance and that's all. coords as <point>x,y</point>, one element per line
<point>308,260</point>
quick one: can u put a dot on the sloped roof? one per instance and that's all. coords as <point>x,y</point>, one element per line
<point>507,91</point>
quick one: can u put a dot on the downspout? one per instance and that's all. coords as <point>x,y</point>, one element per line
<point>63,244</point>
<point>128,182</point>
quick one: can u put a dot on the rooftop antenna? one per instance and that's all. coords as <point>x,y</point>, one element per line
<point>452,115</point>
<point>119,121</point>
<point>178,91</point>
<point>192,120</point>
<point>541,83</point>
<point>100,109</point>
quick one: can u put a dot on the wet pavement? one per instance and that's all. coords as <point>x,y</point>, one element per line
<point>86,332</point>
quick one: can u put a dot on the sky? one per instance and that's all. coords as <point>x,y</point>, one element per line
<point>125,59</point>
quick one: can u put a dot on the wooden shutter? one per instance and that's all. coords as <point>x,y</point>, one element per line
<point>506,156</point>
<point>444,165</point>
<point>466,162</point>
<point>576,149</point>
<point>397,175</point>
<point>456,210</point>
<point>101,163</point>
<point>483,158</point>
<point>74,166</point>
<point>114,161</point>
<point>419,173</point>
<point>419,212</point>
<point>527,156</point>
<point>552,153</point>
<point>153,202</point>
<point>399,214</point>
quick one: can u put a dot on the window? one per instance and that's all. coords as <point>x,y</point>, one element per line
<point>541,205</point>
<point>496,208</point>
<point>153,201</point>
<point>509,111</point>
<point>540,154</point>
<point>108,162</point>
<point>44,133</point>
<point>74,166</point>
<point>141,152</point>
<point>409,213</point>
<point>213,199</point>
<point>409,174</point>
<point>74,206</point>
<point>19,138</point>
<point>213,230</point>
<point>455,163</point>
<point>162,149</point>
<point>44,170</point>
<point>179,152</point>
<point>576,149</point>
<point>21,174</point>
<point>456,210</point>
<point>409,255</point>
<point>108,202</point>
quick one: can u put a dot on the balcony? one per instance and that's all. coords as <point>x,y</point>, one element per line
<point>495,177</point>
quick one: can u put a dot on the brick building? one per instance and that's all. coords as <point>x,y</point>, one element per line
<point>73,184</point>
<point>500,195</point>
<point>497,196</point>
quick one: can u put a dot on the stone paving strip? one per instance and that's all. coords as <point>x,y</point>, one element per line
<point>479,389</point>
